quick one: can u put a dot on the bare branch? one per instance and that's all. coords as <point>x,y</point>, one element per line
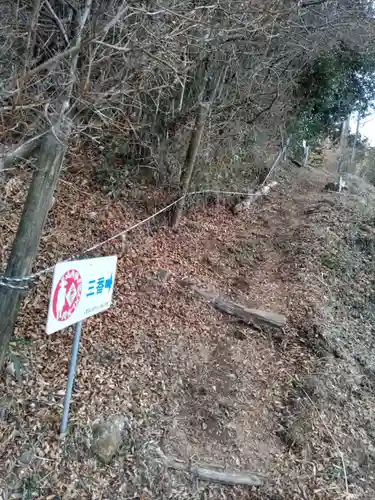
<point>57,20</point>
<point>72,51</point>
<point>22,151</point>
<point>115,47</point>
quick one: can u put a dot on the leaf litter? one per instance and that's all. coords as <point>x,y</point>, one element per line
<point>198,386</point>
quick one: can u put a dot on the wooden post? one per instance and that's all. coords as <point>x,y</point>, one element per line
<point>39,198</point>
<point>28,235</point>
<point>189,164</point>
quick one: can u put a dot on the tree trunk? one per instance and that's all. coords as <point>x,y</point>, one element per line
<point>28,235</point>
<point>343,144</point>
<point>189,164</point>
<point>32,34</point>
<point>354,149</point>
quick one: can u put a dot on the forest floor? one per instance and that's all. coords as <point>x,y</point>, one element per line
<point>296,406</point>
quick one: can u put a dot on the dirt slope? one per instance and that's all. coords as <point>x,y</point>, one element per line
<point>296,406</point>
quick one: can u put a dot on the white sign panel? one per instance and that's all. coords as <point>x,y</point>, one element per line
<point>80,289</point>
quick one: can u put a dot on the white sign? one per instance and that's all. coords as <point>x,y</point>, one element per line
<point>80,289</point>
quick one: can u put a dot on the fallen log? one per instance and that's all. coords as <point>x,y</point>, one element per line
<point>226,477</point>
<point>251,316</point>
<point>209,474</point>
<point>255,317</point>
<point>254,197</point>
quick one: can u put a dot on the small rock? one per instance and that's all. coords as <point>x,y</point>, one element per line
<point>163,275</point>
<point>107,438</point>
<point>27,457</point>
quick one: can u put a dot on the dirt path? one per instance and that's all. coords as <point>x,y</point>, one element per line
<point>189,380</point>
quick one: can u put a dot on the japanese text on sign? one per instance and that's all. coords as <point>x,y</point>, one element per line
<point>80,289</point>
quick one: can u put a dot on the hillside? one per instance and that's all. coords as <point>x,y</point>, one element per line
<point>295,406</point>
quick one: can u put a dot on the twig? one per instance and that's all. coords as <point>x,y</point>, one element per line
<point>115,47</point>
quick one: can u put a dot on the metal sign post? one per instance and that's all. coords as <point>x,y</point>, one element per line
<point>79,289</point>
<point>71,377</point>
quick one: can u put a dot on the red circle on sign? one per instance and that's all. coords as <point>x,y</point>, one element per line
<point>66,295</point>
